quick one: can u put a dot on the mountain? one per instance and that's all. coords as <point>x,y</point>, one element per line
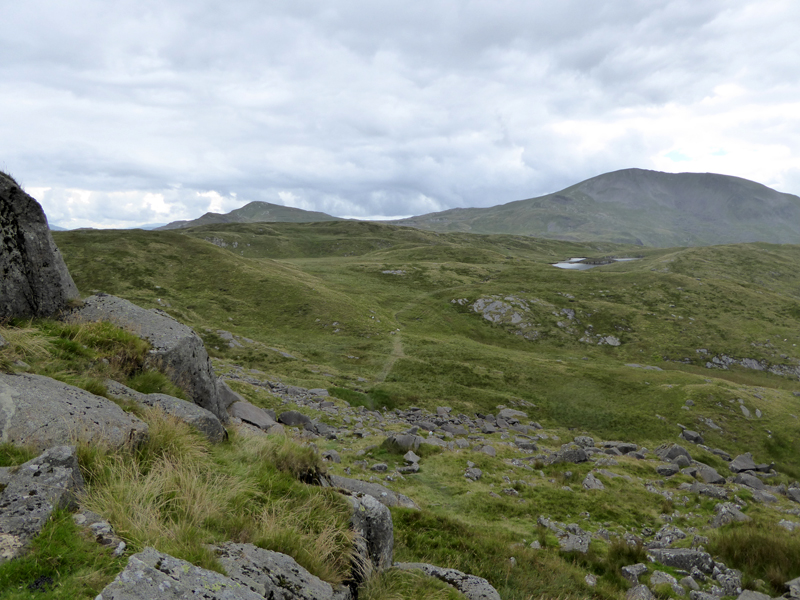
<point>640,207</point>
<point>256,212</point>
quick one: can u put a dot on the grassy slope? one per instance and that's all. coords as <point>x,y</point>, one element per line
<point>319,293</point>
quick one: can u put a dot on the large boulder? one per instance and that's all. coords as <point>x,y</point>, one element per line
<point>684,558</point>
<point>198,417</point>
<point>272,574</point>
<point>42,412</point>
<point>380,492</point>
<point>36,281</point>
<point>152,575</point>
<point>743,462</point>
<point>177,350</point>
<point>40,486</point>
<point>670,452</point>
<point>374,544</point>
<point>473,587</point>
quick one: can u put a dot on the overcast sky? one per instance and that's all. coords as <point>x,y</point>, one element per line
<point>119,113</point>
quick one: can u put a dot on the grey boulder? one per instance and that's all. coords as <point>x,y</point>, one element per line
<point>571,453</point>
<point>51,481</point>
<point>669,452</point>
<point>198,417</point>
<point>473,587</point>
<point>592,483</point>
<point>381,493</point>
<point>709,475</point>
<point>36,282</point>
<point>743,462</point>
<point>42,412</point>
<point>292,418</point>
<point>750,481</point>
<point>176,349</point>
<point>684,558</point>
<point>252,414</point>
<point>639,592</point>
<point>152,575</point>
<point>271,574</point>
<point>374,544</point>
<point>691,436</point>
<point>402,443</point>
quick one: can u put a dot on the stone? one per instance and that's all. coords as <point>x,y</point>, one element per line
<point>592,483</point>
<point>374,543</point>
<point>177,350</point>
<point>152,575</point>
<point>709,475</point>
<point>36,282</point>
<point>639,592</point>
<point>411,458</point>
<point>700,595</point>
<point>793,494</point>
<point>271,574</point>
<point>41,412</point>
<point>101,529</point>
<point>669,452</point>
<point>584,441</point>
<point>689,582</point>
<point>293,418</point>
<point>751,595</point>
<point>49,482</point>
<point>743,462</point>
<point>402,442</point>
<point>667,469</point>
<point>196,416</point>
<point>684,558</point>
<point>692,436</point>
<point>764,497</point>
<point>571,453</point>
<point>489,450</point>
<point>474,588</point>
<point>332,456</point>
<point>575,542</point>
<point>251,414</point>
<point>794,587</point>
<point>633,572</point>
<point>511,415</point>
<point>789,525</point>
<point>751,481</point>
<point>660,578</point>
<point>473,473</point>
<point>711,491</point>
<point>3,342</point>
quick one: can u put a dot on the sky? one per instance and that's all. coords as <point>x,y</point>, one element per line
<point>131,112</point>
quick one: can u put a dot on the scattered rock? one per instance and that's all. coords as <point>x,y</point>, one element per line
<point>684,558</point>
<point>640,592</point>
<point>633,572</point>
<point>667,469</point>
<point>743,462</point>
<point>51,481</point>
<point>293,418</point>
<point>331,456</point>
<point>101,529</point>
<point>751,595</point>
<point>473,473</point>
<point>252,414</point>
<point>692,436</point>
<point>749,480</point>
<point>669,452</point>
<point>474,588</point>
<point>402,443</point>
<point>593,483</point>
<point>374,544</point>
<point>411,458</point>
<point>42,412</point>
<point>571,453</point>
<point>36,282</point>
<point>709,475</point>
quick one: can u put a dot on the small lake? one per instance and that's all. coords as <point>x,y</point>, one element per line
<point>577,264</point>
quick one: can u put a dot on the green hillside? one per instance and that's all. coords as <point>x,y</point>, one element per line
<point>400,317</point>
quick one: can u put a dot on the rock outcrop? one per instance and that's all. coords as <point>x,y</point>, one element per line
<point>42,412</point>
<point>374,544</point>
<point>380,492</point>
<point>35,280</point>
<point>40,486</point>
<point>198,417</point>
<point>177,350</point>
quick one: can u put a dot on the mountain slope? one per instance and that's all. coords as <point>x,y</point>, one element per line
<point>256,212</point>
<point>641,207</point>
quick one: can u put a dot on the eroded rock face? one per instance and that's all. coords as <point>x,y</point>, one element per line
<point>35,280</point>
<point>40,486</point>
<point>374,543</point>
<point>42,412</point>
<point>177,350</point>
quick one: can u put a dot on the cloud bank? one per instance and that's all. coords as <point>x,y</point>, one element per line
<point>124,113</point>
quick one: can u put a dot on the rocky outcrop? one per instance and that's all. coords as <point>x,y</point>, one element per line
<point>152,575</point>
<point>273,575</point>
<point>198,417</point>
<point>35,279</point>
<point>684,558</point>
<point>177,350</point>
<point>474,588</point>
<point>40,486</point>
<point>42,412</point>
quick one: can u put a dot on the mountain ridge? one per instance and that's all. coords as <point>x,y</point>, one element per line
<point>255,212</point>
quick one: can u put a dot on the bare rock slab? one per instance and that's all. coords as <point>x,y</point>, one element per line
<point>272,574</point>
<point>684,558</point>
<point>151,575</point>
<point>40,486</point>
<point>198,417</point>
<point>177,350</point>
<point>36,281</point>
<point>473,587</point>
<point>42,412</point>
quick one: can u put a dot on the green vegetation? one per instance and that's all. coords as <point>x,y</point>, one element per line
<point>383,316</point>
